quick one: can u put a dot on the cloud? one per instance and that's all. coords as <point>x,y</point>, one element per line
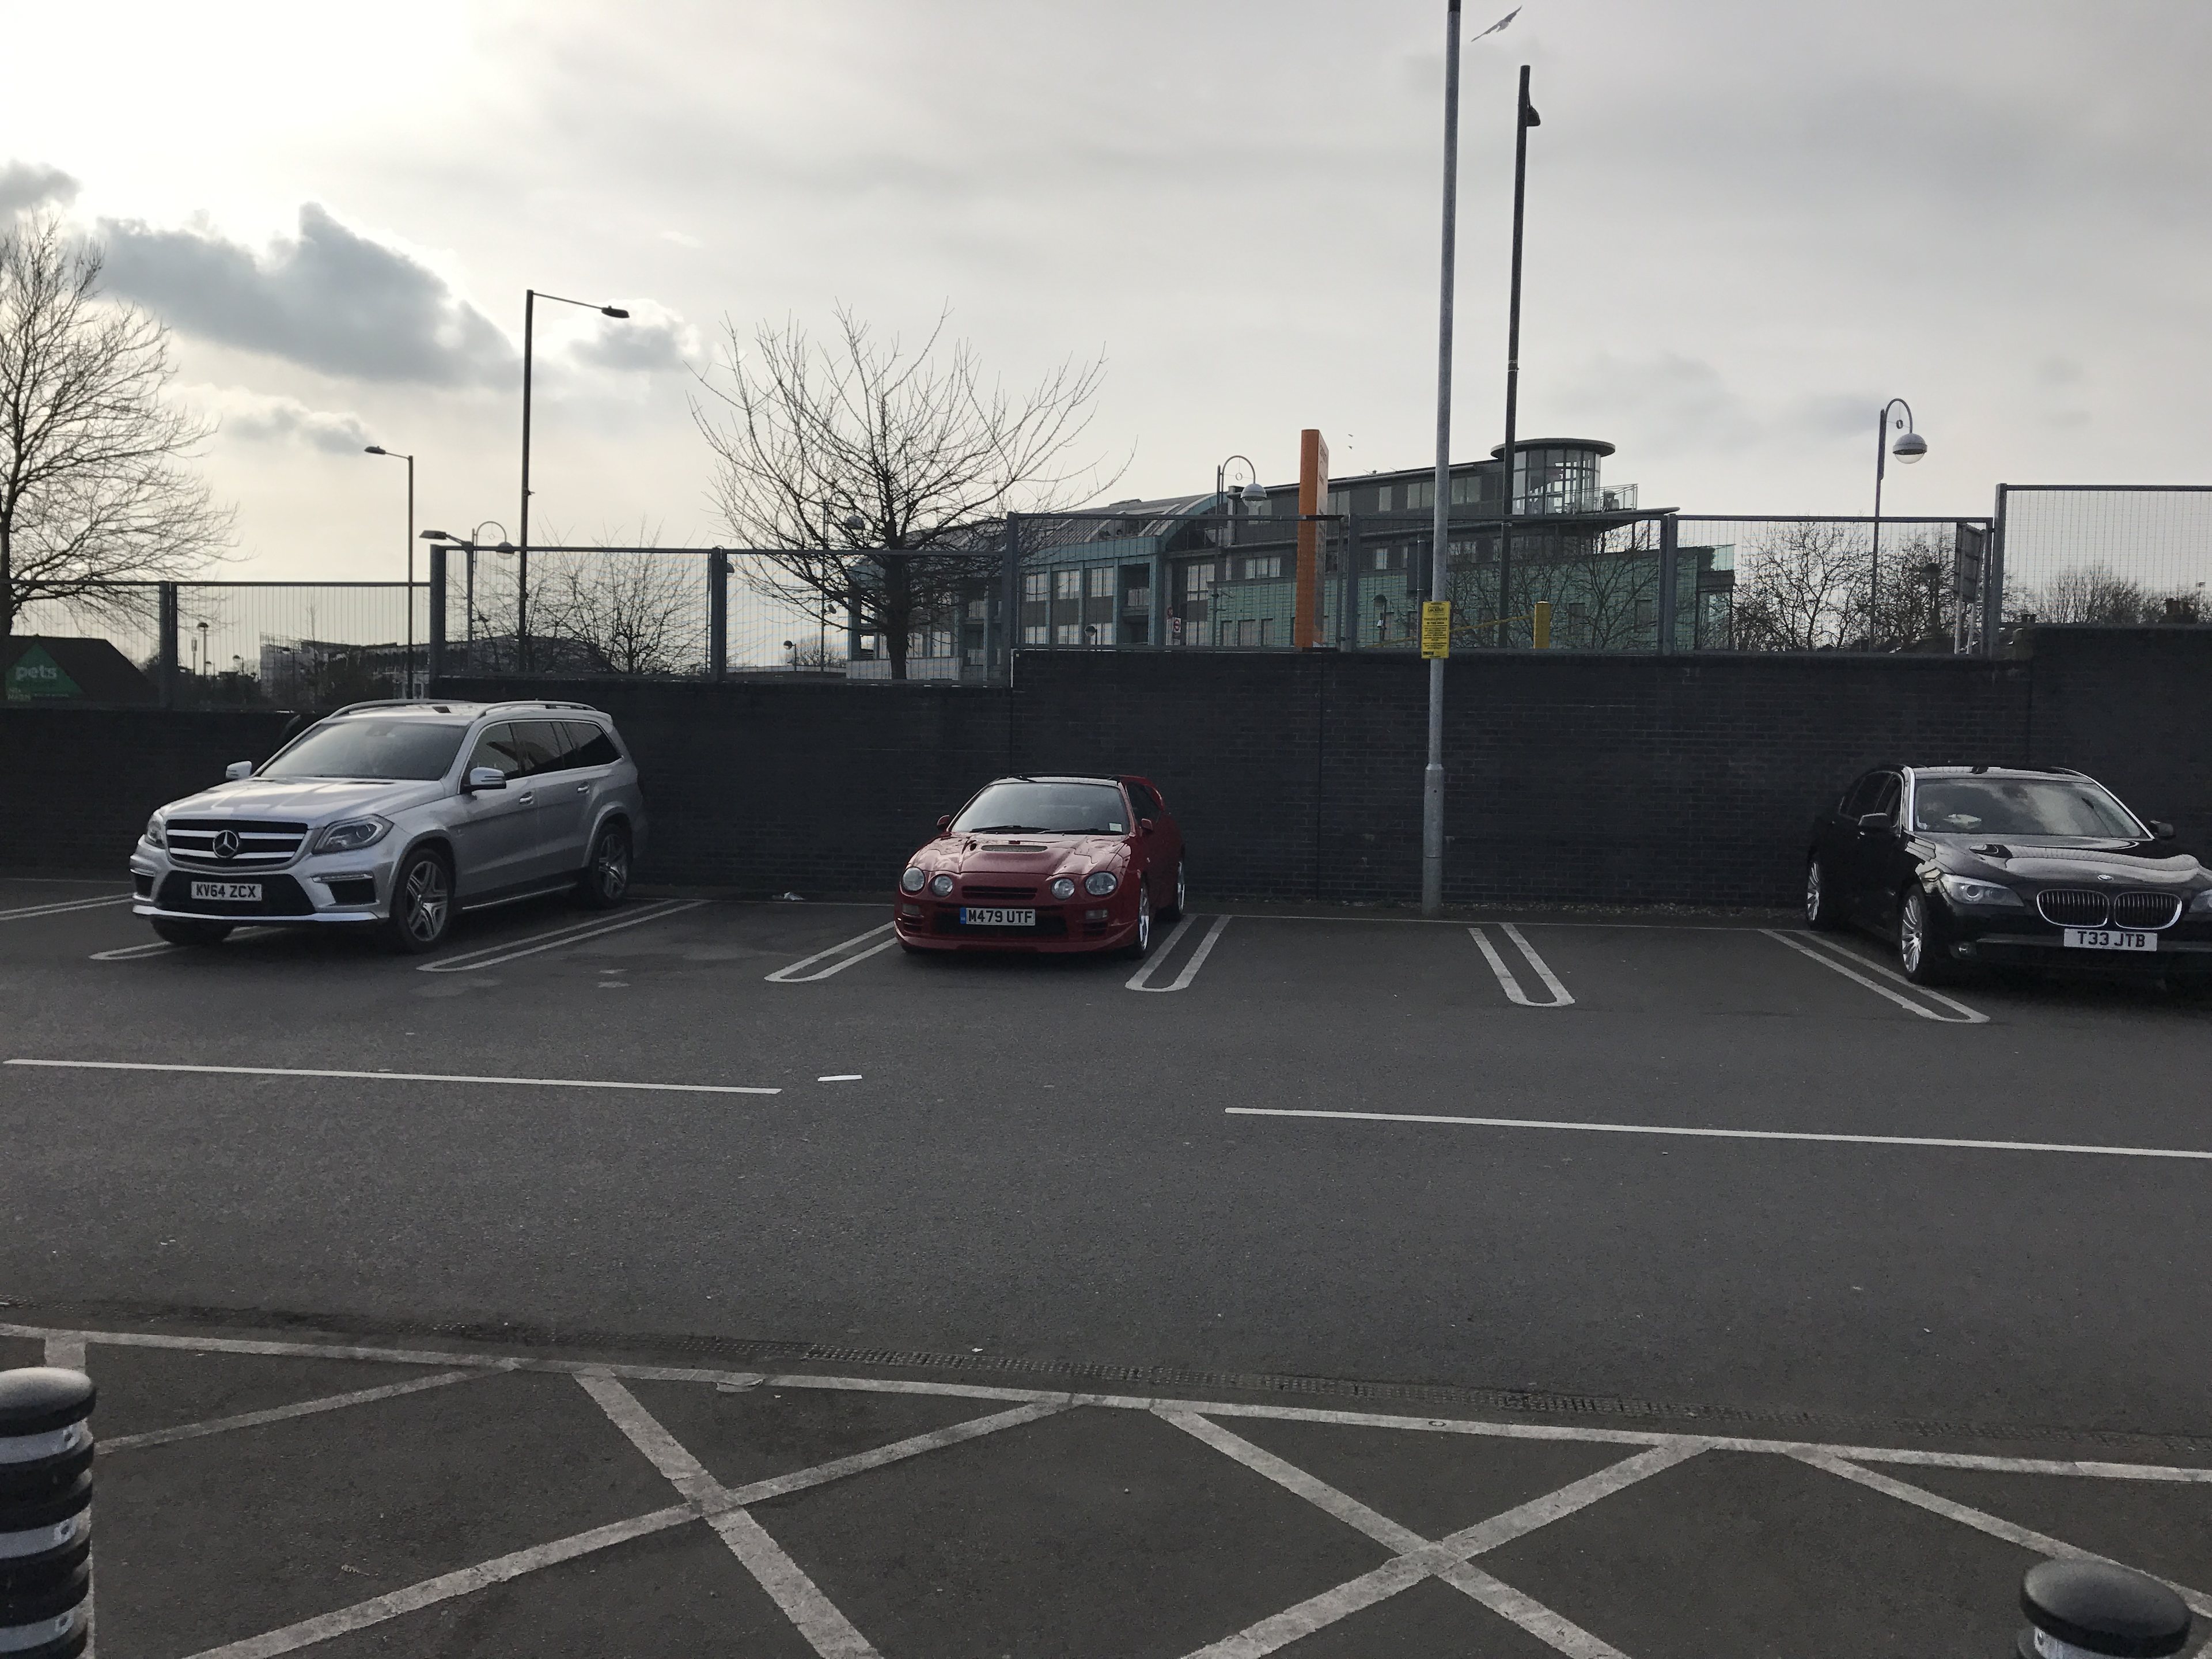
<point>259,418</point>
<point>1669,404</point>
<point>333,300</point>
<point>26,186</point>
<point>653,339</point>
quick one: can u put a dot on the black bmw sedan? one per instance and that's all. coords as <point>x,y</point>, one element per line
<point>2007,866</point>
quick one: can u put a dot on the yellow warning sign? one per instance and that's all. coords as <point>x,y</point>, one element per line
<point>1436,629</point>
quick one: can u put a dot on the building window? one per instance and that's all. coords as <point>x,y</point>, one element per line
<point>1420,495</point>
<point>1037,633</point>
<point>1198,579</point>
<point>1138,599</point>
<point>1257,568</point>
<point>1069,634</point>
<point>1036,586</point>
<point>975,610</point>
<point>1384,496</point>
<point>1102,582</point>
<point>1068,584</point>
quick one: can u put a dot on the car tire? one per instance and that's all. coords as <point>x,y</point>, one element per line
<point>1174,911</point>
<point>605,882</point>
<point>192,935</point>
<point>1822,913</point>
<point>1919,953</point>
<point>1141,943</point>
<point>422,903</point>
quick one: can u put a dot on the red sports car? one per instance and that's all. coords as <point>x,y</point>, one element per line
<point>1046,864</point>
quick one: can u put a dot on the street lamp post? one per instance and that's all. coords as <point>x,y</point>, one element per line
<point>1237,494</point>
<point>1433,776</point>
<point>379,449</point>
<point>531,296</point>
<point>1908,447</point>
<point>1525,118</point>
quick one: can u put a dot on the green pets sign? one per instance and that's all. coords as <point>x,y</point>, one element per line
<point>34,675</point>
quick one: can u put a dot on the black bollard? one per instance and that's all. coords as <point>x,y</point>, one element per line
<point>46,1512</point>
<point>2094,1610</point>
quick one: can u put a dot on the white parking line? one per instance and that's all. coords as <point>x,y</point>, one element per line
<point>1139,980</point>
<point>491,955</point>
<point>63,907</point>
<point>1561,996</point>
<point>393,1077</point>
<point>1965,1015</point>
<point>135,953</point>
<point>789,973</point>
<point>2180,1153</point>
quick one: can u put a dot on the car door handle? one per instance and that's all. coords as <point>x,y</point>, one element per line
<point>527,797</point>
<point>583,789</point>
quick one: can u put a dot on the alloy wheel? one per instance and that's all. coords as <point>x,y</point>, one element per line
<point>610,870</point>
<point>427,901</point>
<point>1912,934</point>
<point>1180,893</point>
<point>1813,891</point>
<point>1144,921</point>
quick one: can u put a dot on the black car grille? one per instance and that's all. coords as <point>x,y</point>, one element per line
<point>2072,907</point>
<point>971,891</point>
<point>262,844</point>
<point>2145,909</point>
<point>281,896</point>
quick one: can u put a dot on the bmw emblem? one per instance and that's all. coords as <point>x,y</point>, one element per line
<point>226,844</point>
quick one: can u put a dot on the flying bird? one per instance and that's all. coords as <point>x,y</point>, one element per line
<point>1498,25</point>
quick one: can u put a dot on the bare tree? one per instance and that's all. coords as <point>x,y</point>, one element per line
<point>863,470</point>
<point>92,488</point>
<point>1803,588</point>
<point>633,609</point>
<point>2091,594</point>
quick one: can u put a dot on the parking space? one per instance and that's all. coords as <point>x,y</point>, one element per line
<point>261,1493</point>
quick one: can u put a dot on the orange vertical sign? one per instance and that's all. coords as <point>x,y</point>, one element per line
<point>1313,500</point>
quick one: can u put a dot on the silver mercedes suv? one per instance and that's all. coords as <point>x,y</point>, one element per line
<point>397,816</point>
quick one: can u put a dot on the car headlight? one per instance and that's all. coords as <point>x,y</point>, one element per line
<point>1965,890</point>
<point>1061,887</point>
<point>2203,900</point>
<point>352,834</point>
<point>156,831</point>
<point>1099,882</point>
<point>941,885</point>
<point>912,881</point>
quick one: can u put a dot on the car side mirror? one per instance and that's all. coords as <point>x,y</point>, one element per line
<point>1878,821</point>
<point>237,769</point>
<point>1145,826</point>
<point>484,777</point>
<point>2161,829</point>
<point>943,823</point>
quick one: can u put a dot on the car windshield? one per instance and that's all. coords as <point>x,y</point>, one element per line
<point>1065,809</point>
<point>2019,806</point>
<point>379,749</point>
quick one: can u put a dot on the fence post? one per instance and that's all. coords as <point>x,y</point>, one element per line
<point>1669,564</point>
<point>718,614</point>
<point>167,606</point>
<point>435,663</point>
<point>1993,574</point>
<point>1013,579</point>
<point>1347,620</point>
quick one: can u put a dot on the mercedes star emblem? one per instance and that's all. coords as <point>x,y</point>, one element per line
<point>226,844</point>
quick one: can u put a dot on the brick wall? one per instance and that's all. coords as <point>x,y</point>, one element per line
<point>1571,778</point>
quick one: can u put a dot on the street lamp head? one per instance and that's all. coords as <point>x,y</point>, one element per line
<point>1908,447</point>
<point>438,536</point>
<point>612,311</point>
<point>376,449</point>
<point>854,523</point>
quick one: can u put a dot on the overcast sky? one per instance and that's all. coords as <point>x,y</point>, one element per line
<point>1748,224</point>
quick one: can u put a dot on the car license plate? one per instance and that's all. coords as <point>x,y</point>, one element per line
<point>2109,939</point>
<point>228,893</point>
<point>992,918</point>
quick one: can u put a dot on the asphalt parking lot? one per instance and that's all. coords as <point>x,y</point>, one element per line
<point>1711,1183</point>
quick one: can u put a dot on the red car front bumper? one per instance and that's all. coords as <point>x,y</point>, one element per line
<point>1077,926</point>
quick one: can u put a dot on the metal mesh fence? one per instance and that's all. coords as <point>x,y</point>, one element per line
<point>1849,584</point>
<point>2090,554</point>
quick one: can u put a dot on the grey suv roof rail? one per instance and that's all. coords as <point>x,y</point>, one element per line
<point>544,702</point>
<point>383,703</point>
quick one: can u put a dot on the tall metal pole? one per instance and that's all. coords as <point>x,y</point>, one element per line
<point>522,547</point>
<point>410,576</point>
<point>1874,565</point>
<point>1524,118</point>
<point>1432,779</point>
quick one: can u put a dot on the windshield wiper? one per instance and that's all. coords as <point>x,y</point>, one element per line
<point>1007,829</point>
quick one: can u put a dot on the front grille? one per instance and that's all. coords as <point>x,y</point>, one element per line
<point>2145,909</point>
<point>2072,907</point>
<point>262,844</point>
<point>974,892</point>
<point>281,896</point>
